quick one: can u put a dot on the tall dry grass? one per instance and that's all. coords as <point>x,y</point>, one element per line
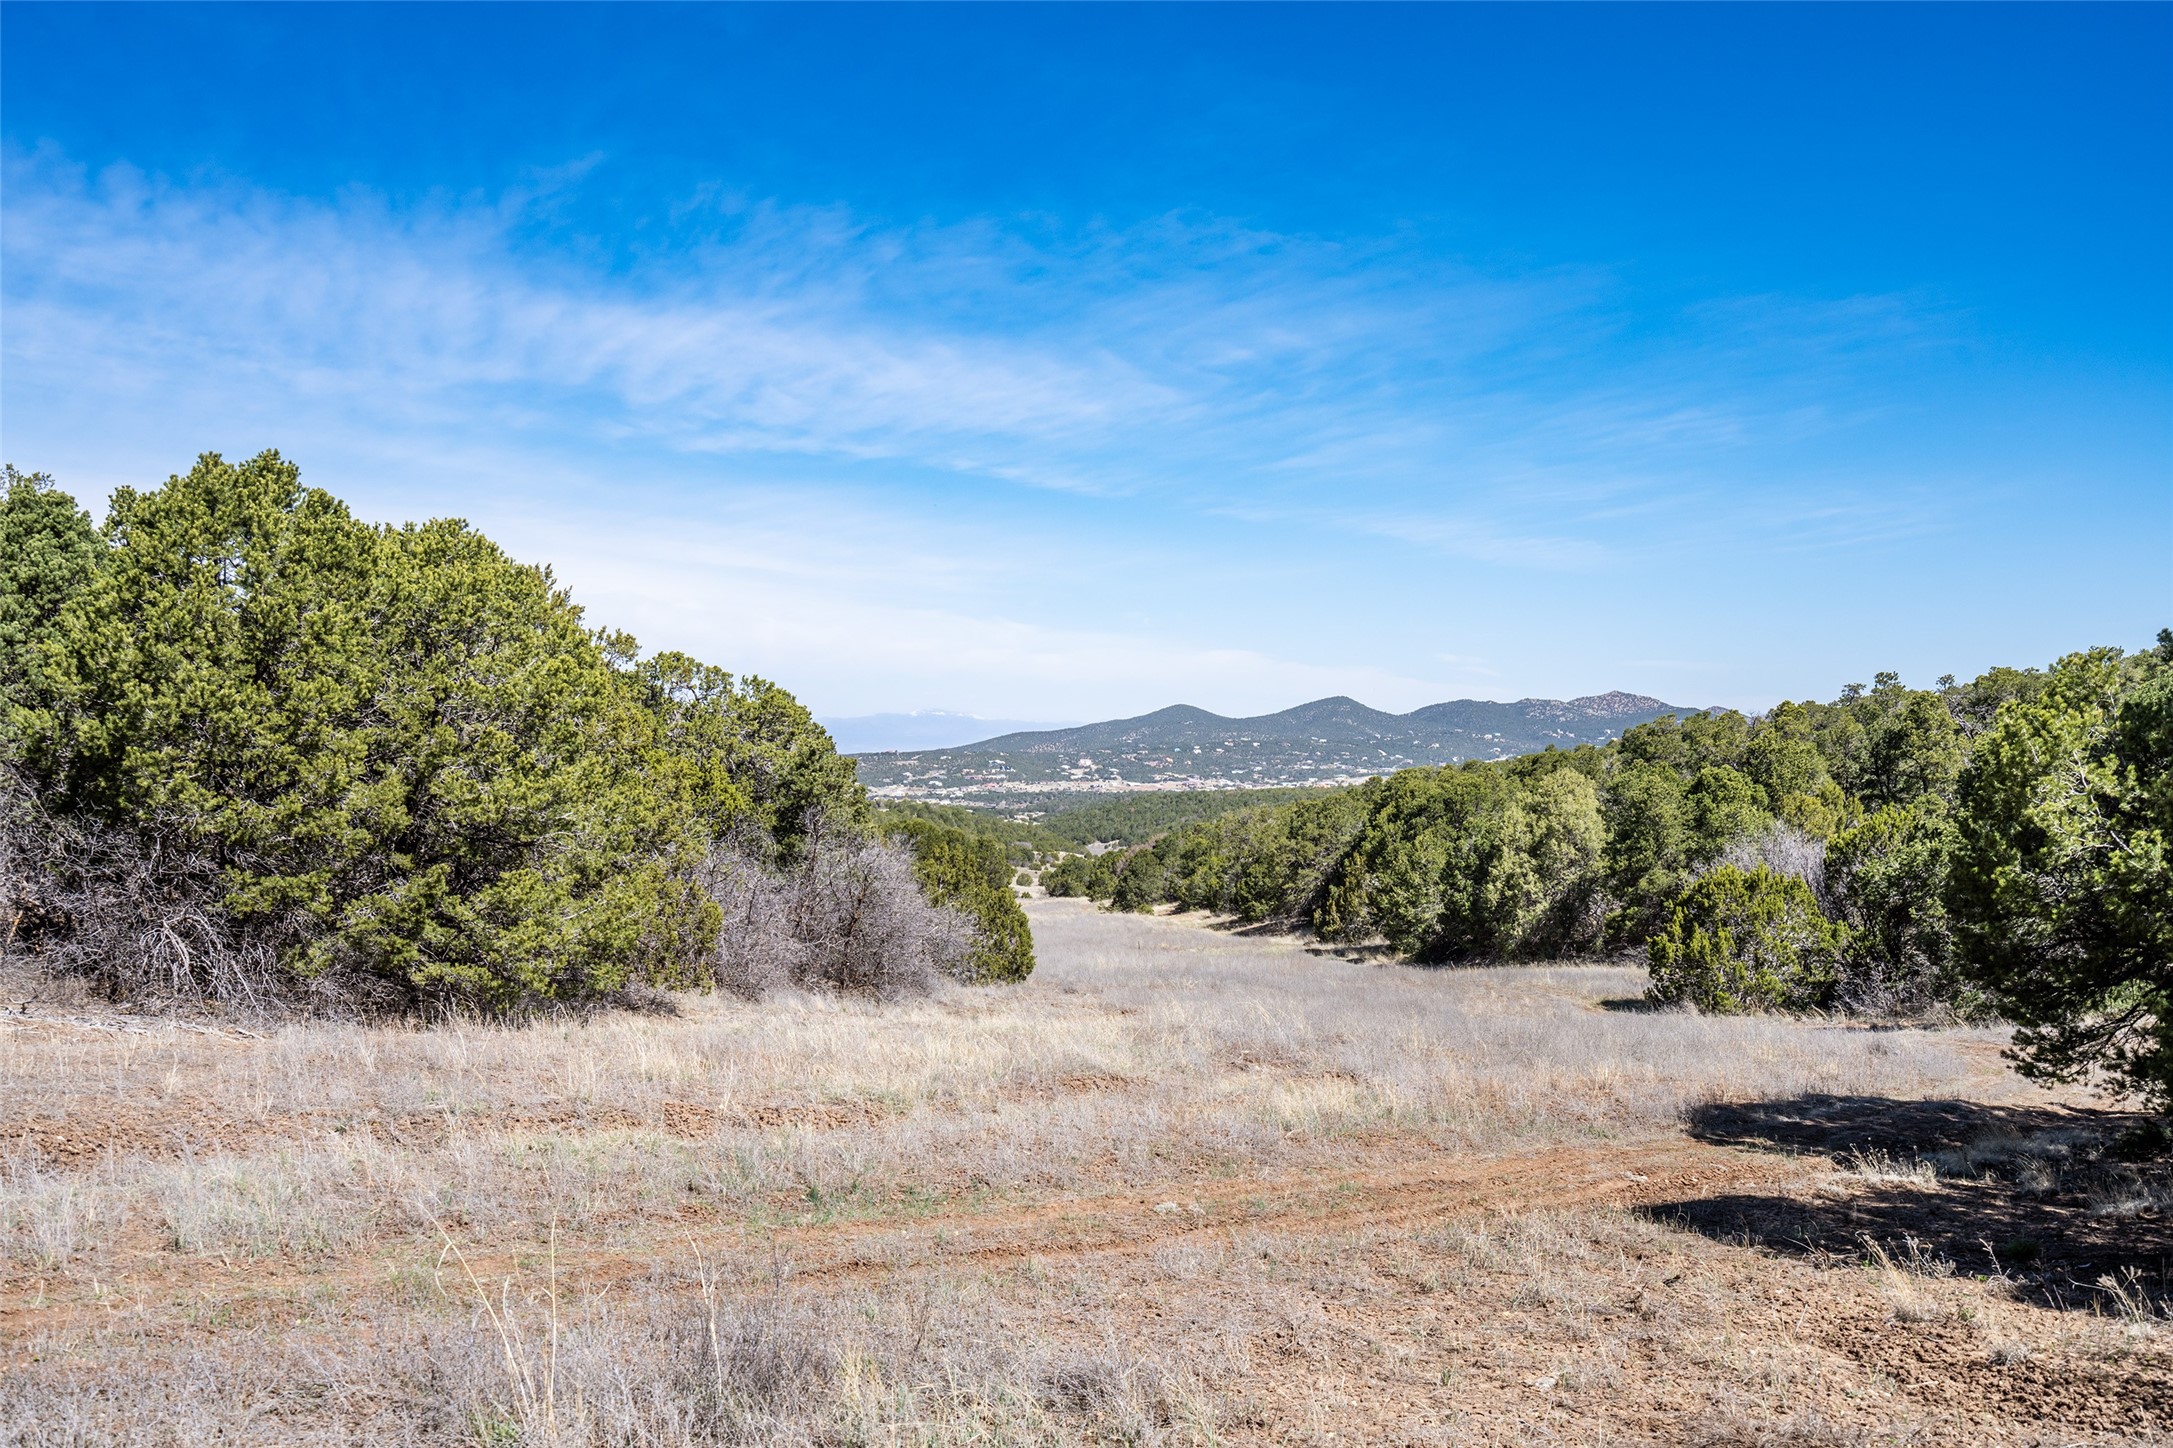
<point>217,1236</point>
<point>683,1357</point>
<point>1143,1048</point>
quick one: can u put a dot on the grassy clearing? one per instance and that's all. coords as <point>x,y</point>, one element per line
<point>1143,1048</point>
<point>759,1222</point>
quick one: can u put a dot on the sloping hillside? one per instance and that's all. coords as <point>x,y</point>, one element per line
<point>1327,741</point>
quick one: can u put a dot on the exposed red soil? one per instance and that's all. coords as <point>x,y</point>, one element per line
<point>1479,1368</point>
<point>1441,1187</point>
<point>77,1143</point>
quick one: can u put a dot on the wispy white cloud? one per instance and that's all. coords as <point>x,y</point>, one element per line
<point>1185,357</point>
<point>811,445</point>
<point>422,318</point>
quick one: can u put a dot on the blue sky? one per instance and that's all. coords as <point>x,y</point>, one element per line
<point>1044,362</point>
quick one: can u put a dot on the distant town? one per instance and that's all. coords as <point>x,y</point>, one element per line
<point>1324,744</point>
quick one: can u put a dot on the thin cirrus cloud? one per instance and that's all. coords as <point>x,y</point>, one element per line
<point>421,318</point>
<point>1184,356</point>
<point>786,369</point>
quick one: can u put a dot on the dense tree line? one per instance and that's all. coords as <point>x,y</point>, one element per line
<point>1022,841</point>
<point>1124,819</point>
<point>257,748</point>
<point>1135,818</point>
<point>1999,846</point>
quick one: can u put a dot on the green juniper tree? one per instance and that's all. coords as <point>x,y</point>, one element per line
<point>392,762</point>
<point>48,552</point>
<point>413,764</point>
<point>2062,885</point>
<point>1746,941</point>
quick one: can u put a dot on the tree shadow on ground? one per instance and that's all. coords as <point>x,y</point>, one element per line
<point>2041,1195</point>
<point>1253,929</point>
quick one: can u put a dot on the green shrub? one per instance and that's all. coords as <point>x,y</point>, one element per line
<point>1140,878</point>
<point>1081,877</point>
<point>1887,877</point>
<point>1473,863</point>
<point>1412,874</point>
<point>1645,859</point>
<point>1746,941</point>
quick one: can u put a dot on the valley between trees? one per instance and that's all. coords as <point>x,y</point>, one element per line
<point>433,1020</point>
<point>2001,849</point>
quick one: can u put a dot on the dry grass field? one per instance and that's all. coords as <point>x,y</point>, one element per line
<point>1185,1186</point>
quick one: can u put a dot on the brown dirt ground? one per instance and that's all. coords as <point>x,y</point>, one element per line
<point>1707,1286</point>
<point>1382,1352</point>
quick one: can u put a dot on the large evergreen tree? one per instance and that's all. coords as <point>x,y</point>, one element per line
<point>408,758</point>
<point>2062,884</point>
<point>396,761</point>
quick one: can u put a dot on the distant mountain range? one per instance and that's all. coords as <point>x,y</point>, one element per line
<point>1326,741</point>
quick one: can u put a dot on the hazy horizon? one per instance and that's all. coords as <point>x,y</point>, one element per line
<point>922,729</point>
<point>935,729</point>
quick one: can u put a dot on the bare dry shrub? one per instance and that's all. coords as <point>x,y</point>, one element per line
<point>1785,850</point>
<point>849,916</point>
<point>756,951</point>
<point>863,924</point>
<point>137,912</point>
<point>1117,1390</point>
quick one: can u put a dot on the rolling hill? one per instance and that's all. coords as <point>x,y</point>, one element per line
<point>1329,741</point>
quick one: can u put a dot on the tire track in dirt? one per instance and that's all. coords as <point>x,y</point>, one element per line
<point>1109,1224</point>
<point>80,1143</point>
<point>1117,1224</point>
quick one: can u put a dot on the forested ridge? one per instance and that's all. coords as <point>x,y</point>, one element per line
<point>1992,847</point>
<point>258,750</point>
<point>1130,819</point>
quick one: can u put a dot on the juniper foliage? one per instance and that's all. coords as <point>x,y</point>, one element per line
<point>258,749</point>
